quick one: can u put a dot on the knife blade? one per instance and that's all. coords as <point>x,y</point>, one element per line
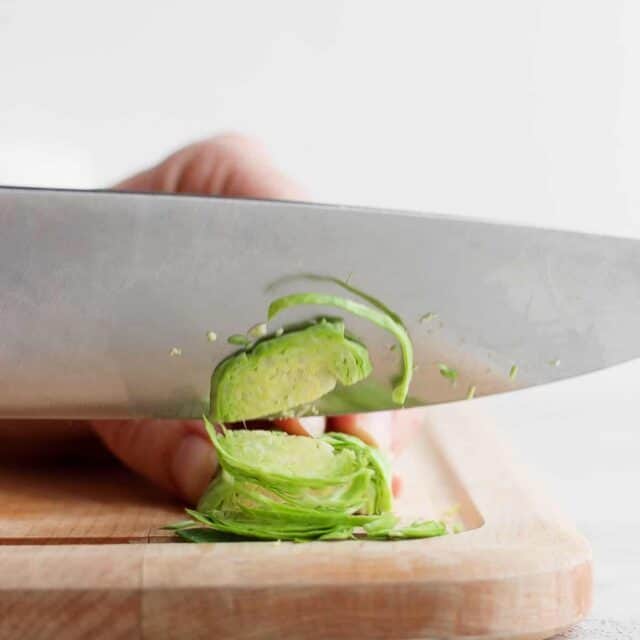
<point>106,298</point>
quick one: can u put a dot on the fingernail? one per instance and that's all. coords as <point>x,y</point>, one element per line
<point>192,467</point>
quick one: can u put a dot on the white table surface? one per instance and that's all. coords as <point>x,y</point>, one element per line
<point>521,111</point>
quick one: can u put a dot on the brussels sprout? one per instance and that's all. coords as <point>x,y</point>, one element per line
<point>275,486</point>
<point>284,372</point>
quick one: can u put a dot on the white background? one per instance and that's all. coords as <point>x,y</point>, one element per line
<point>521,111</point>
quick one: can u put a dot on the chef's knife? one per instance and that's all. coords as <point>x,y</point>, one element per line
<point>107,300</point>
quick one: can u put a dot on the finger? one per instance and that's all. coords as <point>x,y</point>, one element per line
<point>174,454</point>
<point>373,428</point>
<point>291,426</point>
<point>390,431</point>
<point>229,165</point>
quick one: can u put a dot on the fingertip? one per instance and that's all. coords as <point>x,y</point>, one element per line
<point>239,142</point>
<point>245,169</point>
<point>374,428</point>
<point>230,164</point>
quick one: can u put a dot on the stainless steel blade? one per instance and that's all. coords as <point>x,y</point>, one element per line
<point>98,288</point>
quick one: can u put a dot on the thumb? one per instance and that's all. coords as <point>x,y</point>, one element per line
<point>174,454</point>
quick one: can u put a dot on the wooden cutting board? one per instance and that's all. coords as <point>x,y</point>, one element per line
<point>82,556</point>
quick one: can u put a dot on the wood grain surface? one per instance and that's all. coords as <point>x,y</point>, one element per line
<point>519,570</point>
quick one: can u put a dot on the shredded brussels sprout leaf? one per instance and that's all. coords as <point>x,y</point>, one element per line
<point>287,373</point>
<point>378,316</point>
<point>275,486</point>
<point>344,284</point>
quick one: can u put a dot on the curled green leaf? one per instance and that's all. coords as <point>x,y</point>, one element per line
<point>377,316</point>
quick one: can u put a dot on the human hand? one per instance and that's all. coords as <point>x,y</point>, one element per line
<point>177,454</point>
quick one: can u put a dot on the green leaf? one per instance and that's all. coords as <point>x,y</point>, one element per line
<point>274,486</point>
<point>340,533</point>
<point>378,317</point>
<point>347,286</point>
<point>382,526</point>
<point>420,529</point>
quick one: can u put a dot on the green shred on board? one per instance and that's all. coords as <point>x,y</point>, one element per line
<point>275,486</point>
